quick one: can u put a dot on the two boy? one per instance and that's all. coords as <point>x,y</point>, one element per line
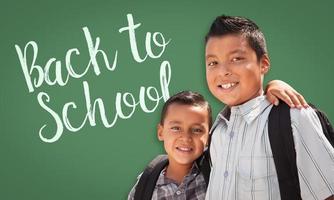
<point>243,167</point>
<point>242,160</point>
<point>184,128</point>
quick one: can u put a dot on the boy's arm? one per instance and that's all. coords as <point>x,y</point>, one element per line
<point>277,89</point>
<point>314,154</point>
<point>131,194</point>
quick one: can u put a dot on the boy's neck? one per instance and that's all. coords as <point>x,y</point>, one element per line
<point>177,171</point>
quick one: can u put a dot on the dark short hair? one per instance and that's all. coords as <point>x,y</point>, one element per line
<point>186,98</point>
<point>226,25</point>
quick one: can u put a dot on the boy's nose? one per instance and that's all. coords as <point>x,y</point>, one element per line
<point>187,136</point>
<point>224,70</point>
<point>227,73</point>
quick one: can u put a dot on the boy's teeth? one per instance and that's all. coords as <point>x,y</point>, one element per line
<point>184,148</point>
<point>227,86</point>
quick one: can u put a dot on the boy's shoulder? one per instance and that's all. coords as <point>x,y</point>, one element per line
<point>304,116</point>
<point>147,180</point>
<point>301,119</point>
<point>303,135</point>
<point>153,177</point>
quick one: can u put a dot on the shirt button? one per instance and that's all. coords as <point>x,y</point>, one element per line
<point>231,134</point>
<point>178,192</point>
<point>225,174</point>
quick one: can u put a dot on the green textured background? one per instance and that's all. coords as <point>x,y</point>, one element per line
<point>100,163</point>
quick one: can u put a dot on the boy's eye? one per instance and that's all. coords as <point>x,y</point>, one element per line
<point>212,63</point>
<point>175,128</point>
<point>197,130</point>
<point>236,59</point>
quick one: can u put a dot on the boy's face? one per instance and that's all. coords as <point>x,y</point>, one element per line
<point>233,72</point>
<point>184,133</point>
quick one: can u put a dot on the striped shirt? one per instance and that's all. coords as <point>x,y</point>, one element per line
<point>242,161</point>
<point>193,187</point>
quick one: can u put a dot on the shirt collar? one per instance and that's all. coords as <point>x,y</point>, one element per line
<point>249,110</point>
<point>163,180</point>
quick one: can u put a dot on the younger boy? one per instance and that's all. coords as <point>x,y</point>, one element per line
<point>184,129</point>
<point>242,162</point>
<point>184,126</point>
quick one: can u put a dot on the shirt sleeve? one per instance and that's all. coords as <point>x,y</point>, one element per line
<point>131,194</point>
<point>315,155</point>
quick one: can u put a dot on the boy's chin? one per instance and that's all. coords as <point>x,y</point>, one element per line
<point>233,100</point>
<point>230,102</point>
<point>182,162</point>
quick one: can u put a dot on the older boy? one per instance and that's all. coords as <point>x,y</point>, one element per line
<point>242,162</point>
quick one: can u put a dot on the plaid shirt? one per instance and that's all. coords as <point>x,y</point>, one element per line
<point>193,187</point>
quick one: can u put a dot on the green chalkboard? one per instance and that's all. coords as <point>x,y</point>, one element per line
<point>60,58</point>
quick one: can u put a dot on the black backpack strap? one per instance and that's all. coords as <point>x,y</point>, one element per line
<point>283,149</point>
<point>148,179</point>
<point>204,165</point>
<point>327,128</point>
<point>204,162</point>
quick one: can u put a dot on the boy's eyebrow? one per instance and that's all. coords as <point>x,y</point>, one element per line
<point>210,56</point>
<point>229,53</point>
<point>200,125</point>
<point>174,122</point>
<point>179,122</point>
<point>237,51</point>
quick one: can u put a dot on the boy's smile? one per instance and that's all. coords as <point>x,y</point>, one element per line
<point>184,133</point>
<point>234,74</point>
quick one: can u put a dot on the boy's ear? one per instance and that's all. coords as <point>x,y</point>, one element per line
<point>160,132</point>
<point>265,64</point>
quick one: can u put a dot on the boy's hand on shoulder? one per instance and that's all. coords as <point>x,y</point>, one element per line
<point>277,89</point>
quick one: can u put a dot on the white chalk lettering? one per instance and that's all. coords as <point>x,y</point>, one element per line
<point>43,74</point>
<point>122,100</point>
<point>59,72</point>
<point>133,42</point>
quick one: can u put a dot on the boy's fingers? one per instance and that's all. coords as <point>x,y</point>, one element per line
<point>297,99</point>
<point>272,99</point>
<point>274,95</point>
<point>294,98</point>
<point>290,97</point>
<point>286,98</point>
<point>302,100</point>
